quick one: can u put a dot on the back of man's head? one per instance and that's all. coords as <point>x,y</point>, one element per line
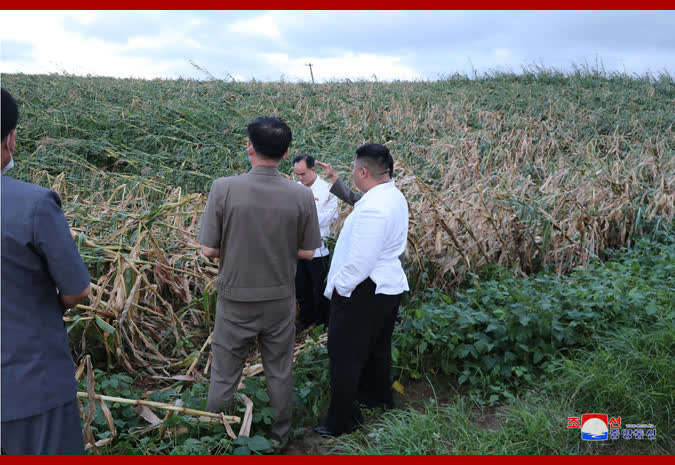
<point>377,160</point>
<point>10,113</point>
<point>270,137</point>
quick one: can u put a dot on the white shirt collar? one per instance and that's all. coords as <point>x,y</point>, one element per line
<point>375,189</point>
<point>318,182</point>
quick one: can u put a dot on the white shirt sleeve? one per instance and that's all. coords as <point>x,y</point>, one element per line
<point>370,228</point>
<point>327,210</point>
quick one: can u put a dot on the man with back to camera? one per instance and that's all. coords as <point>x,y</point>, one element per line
<point>42,276</point>
<point>259,224</point>
<point>311,275</point>
<point>365,284</point>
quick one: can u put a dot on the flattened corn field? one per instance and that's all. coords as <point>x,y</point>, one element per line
<point>539,171</point>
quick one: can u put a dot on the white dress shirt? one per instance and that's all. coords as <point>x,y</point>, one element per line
<point>326,209</point>
<point>373,237</point>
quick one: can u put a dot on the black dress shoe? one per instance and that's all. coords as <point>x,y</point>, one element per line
<point>323,431</point>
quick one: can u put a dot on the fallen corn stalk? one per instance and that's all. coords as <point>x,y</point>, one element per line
<point>149,403</point>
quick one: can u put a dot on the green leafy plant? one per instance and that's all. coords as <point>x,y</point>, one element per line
<point>498,334</point>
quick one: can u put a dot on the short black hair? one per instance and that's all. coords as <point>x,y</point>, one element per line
<point>309,160</point>
<point>10,113</point>
<point>377,158</point>
<point>270,137</point>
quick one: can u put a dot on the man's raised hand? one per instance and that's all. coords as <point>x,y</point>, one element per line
<point>327,171</point>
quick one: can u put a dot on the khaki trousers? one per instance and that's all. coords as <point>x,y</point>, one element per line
<point>236,324</point>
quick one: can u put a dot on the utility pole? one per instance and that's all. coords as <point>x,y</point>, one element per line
<point>310,71</point>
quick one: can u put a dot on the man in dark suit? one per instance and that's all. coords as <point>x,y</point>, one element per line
<point>42,276</point>
<point>259,224</point>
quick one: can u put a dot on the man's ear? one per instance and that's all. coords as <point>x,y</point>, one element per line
<point>11,140</point>
<point>8,147</point>
<point>4,150</point>
<point>285,155</point>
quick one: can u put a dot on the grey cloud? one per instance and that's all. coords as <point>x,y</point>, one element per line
<point>392,31</point>
<point>629,30</point>
<point>375,32</point>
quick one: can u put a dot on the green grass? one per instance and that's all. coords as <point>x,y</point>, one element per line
<point>501,332</point>
<point>534,424</point>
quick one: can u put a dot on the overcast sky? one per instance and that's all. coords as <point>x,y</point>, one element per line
<point>405,45</point>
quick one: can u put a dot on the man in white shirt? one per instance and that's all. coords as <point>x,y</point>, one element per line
<point>365,284</point>
<point>310,276</point>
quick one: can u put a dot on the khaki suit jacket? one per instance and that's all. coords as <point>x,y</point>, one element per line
<point>258,221</point>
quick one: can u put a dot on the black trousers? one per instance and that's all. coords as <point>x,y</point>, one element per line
<point>56,431</point>
<point>359,351</point>
<point>310,282</point>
